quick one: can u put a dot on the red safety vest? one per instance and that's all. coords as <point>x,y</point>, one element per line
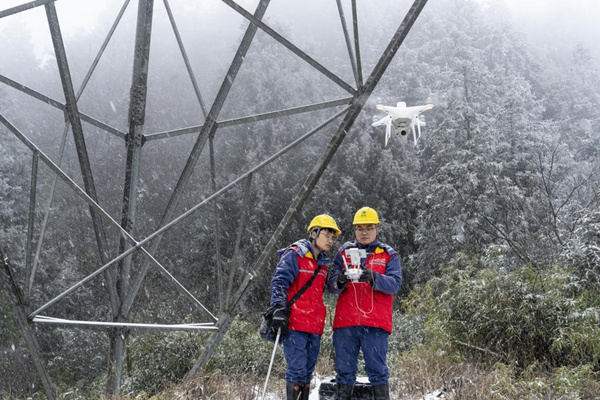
<point>308,312</point>
<point>359,304</point>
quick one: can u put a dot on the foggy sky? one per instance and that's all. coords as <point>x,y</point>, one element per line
<point>558,23</point>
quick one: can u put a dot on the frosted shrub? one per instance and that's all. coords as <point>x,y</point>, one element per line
<point>407,332</point>
<point>243,351</point>
<point>157,360</point>
<point>524,316</point>
<point>583,250</point>
<point>566,383</point>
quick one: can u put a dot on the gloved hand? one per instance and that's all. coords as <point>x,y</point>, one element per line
<point>368,275</point>
<point>342,278</point>
<point>281,315</point>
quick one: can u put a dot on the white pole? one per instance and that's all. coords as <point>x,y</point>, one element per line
<point>271,363</point>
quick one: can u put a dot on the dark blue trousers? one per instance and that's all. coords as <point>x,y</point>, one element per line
<point>373,342</point>
<point>301,350</point>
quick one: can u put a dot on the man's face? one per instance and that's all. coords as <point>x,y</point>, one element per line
<point>366,233</point>
<point>325,240</point>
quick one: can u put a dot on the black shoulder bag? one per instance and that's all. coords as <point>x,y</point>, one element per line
<point>266,327</point>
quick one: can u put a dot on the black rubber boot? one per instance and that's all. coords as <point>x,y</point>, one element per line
<point>344,392</point>
<point>294,390</point>
<point>381,392</point>
<point>305,391</point>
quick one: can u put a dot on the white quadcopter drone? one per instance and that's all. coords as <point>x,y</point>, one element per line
<point>402,118</point>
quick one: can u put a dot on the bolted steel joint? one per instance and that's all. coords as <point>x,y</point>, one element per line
<point>137,109</point>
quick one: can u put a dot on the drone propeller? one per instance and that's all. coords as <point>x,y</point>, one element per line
<point>388,131</point>
<point>416,136</point>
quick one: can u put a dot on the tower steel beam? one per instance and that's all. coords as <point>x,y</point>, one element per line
<point>41,319</point>
<point>102,48</point>
<point>31,220</point>
<point>23,7</point>
<point>285,112</point>
<point>73,116</point>
<point>356,43</point>
<point>186,60</point>
<point>31,272</point>
<point>137,111</point>
<point>217,221</point>
<point>251,118</point>
<point>20,307</point>
<point>137,114</point>
<point>348,43</point>
<point>35,94</point>
<point>55,103</point>
<point>29,284</point>
<point>238,240</point>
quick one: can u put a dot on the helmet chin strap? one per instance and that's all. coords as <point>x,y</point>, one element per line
<point>314,240</point>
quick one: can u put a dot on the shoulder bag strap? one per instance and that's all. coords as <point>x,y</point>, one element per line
<point>303,288</point>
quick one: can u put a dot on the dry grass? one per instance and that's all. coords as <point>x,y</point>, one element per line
<point>325,367</point>
<point>419,374</point>
<point>220,386</point>
<point>422,372</point>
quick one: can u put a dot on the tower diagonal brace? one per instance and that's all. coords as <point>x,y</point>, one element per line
<point>33,346</point>
<point>73,115</point>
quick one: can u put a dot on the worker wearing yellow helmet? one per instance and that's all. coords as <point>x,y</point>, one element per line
<point>297,302</point>
<point>365,274</point>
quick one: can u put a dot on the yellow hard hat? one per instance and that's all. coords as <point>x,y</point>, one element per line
<point>365,216</point>
<point>323,221</point>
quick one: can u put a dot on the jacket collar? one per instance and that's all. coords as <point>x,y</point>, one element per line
<point>304,248</point>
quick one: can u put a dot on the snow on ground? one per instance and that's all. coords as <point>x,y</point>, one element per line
<point>314,392</point>
<point>316,383</point>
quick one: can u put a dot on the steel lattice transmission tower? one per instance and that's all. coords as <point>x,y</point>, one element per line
<point>121,280</point>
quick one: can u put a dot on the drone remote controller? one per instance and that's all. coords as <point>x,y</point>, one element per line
<point>354,270</point>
